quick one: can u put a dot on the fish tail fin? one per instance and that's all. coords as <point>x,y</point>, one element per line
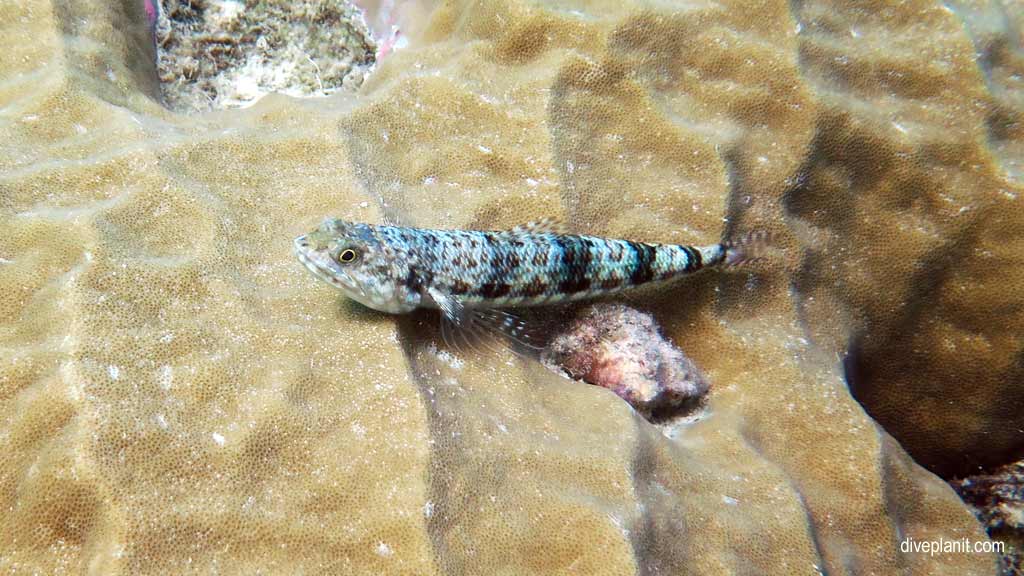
<point>748,249</point>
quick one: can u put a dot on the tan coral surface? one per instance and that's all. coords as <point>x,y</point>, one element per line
<point>177,395</point>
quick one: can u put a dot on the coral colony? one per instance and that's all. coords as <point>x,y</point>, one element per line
<point>177,395</point>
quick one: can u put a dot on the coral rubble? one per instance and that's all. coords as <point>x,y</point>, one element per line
<point>230,53</point>
<point>998,500</point>
<point>621,349</point>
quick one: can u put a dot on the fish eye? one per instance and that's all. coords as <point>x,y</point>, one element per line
<point>347,256</point>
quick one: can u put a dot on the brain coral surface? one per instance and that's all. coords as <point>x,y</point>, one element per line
<point>177,395</point>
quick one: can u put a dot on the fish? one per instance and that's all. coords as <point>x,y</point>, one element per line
<point>474,276</point>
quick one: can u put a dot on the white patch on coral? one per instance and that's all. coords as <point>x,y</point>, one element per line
<point>227,11</point>
<point>451,360</point>
<point>619,524</point>
<point>219,438</point>
<point>166,377</point>
<point>384,550</point>
<point>114,372</point>
<point>73,384</point>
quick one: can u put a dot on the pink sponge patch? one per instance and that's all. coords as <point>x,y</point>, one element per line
<point>620,348</point>
<point>150,11</point>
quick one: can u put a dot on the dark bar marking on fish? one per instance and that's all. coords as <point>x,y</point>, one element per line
<point>414,281</point>
<point>494,279</point>
<point>534,289</point>
<point>578,278</point>
<point>494,290</point>
<point>568,269</point>
<point>693,259</point>
<point>610,283</point>
<point>642,267</point>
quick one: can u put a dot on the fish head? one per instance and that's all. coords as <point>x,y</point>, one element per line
<point>358,260</point>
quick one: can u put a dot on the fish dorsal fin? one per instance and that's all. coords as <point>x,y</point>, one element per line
<point>548,225</point>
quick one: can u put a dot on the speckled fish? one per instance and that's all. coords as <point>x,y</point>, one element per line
<point>470,275</point>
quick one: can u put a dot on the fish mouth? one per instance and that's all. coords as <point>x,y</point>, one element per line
<point>312,260</point>
<point>316,262</point>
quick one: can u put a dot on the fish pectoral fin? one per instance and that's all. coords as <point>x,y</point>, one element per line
<point>451,307</point>
<point>519,333</point>
<point>473,326</point>
<point>547,225</point>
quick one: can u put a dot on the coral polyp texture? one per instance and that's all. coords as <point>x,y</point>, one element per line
<point>178,395</point>
<point>620,348</point>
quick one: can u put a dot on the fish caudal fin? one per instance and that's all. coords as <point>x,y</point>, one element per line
<point>748,249</point>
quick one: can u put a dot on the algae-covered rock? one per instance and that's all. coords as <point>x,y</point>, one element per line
<point>177,394</point>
